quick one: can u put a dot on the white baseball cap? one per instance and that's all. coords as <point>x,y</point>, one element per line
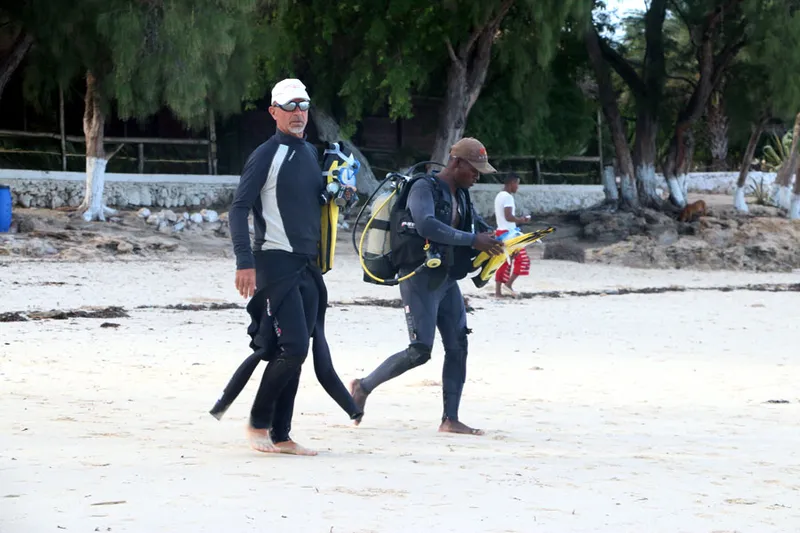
<point>288,90</point>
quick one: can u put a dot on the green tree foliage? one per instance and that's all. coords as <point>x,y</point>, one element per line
<point>748,98</point>
<point>17,41</point>
<point>530,109</point>
<point>186,55</point>
<point>191,56</point>
<point>358,56</point>
<point>773,46</point>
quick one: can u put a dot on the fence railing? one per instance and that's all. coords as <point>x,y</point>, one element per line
<point>138,142</point>
<point>532,169</point>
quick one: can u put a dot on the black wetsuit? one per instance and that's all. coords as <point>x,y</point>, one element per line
<point>434,301</point>
<point>282,184</point>
<point>263,332</point>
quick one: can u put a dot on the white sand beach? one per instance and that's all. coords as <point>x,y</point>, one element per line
<point>619,413</point>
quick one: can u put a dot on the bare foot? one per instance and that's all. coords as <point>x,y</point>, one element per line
<point>511,291</point>
<point>359,396</point>
<point>454,426</point>
<point>260,440</point>
<point>292,448</point>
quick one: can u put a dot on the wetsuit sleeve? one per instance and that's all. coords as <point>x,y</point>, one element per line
<point>252,180</point>
<point>420,203</point>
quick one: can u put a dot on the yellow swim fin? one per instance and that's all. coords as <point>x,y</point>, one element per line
<point>490,263</point>
<point>513,244</point>
<point>327,245</point>
<point>329,224</point>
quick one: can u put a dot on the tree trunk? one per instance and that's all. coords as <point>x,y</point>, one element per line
<point>781,195</point>
<point>20,47</point>
<point>647,90</point>
<point>465,78</point>
<point>608,102</point>
<point>717,124</point>
<point>644,156</point>
<point>212,142</point>
<point>648,101</point>
<point>712,68</point>
<point>96,161</point>
<point>610,185</point>
<point>738,196</point>
<point>328,130</point>
<point>676,164</point>
<point>453,117</point>
<point>794,208</point>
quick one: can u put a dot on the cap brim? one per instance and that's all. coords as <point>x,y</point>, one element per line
<point>285,99</point>
<point>483,167</point>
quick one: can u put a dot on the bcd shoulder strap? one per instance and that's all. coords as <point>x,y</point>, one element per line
<point>402,199</point>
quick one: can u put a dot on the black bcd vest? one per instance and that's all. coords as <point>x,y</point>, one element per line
<point>407,245</point>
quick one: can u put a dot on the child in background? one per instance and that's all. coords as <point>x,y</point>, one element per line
<point>504,210</point>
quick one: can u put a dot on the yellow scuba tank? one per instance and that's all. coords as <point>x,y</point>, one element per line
<point>375,247</point>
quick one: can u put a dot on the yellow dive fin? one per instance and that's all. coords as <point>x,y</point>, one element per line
<point>327,245</point>
<point>492,262</point>
<point>329,225</point>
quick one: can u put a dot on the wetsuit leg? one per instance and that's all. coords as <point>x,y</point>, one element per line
<point>293,321</point>
<point>323,364</point>
<point>284,409</point>
<point>451,321</point>
<point>421,306</point>
<point>326,374</point>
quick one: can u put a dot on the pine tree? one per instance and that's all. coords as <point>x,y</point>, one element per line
<point>11,30</point>
<point>191,56</point>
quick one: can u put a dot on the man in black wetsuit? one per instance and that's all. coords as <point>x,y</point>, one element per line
<point>442,213</point>
<point>282,184</point>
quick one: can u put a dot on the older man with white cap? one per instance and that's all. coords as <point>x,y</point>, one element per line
<point>281,184</point>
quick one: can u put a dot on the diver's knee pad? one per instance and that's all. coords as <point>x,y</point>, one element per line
<point>418,354</point>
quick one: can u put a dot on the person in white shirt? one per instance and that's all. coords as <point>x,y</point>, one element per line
<point>505,214</point>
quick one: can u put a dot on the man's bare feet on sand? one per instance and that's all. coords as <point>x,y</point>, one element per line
<point>454,426</point>
<point>261,441</point>
<point>290,447</point>
<point>359,396</point>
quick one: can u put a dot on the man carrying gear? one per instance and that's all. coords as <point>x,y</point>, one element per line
<point>438,217</point>
<point>283,185</point>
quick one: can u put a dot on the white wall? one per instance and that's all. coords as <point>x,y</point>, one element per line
<point>32,188</point>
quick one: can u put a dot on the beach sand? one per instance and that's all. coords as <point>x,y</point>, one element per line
<point>617,413</point>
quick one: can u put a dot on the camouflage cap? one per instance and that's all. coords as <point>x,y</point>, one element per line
<point>473,151</point>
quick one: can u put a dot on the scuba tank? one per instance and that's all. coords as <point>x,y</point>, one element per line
<point>377,249</point>
<point>374,249</point>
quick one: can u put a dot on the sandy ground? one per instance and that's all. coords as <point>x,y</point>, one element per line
<point>603,413</point>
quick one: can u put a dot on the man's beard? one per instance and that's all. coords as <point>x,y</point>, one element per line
<point>297,128</point>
